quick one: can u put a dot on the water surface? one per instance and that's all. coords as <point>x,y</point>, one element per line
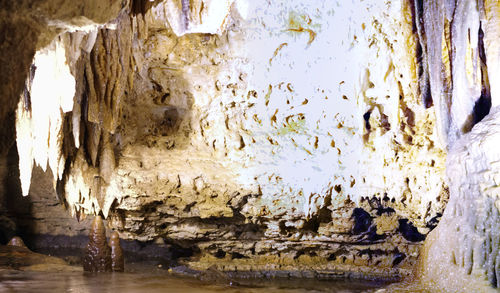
<point>162,281</point>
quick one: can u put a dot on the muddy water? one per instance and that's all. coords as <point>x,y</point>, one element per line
<point>79,282</point>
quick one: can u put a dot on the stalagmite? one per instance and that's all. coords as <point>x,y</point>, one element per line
<point>17,241</point>
<point>97,255</point>
<point>462,253</point>
<point>117,262</point>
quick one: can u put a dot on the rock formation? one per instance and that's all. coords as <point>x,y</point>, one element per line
<point>269,135</point>
<point>16,241</point>
<point>97,256</point>
<point>117,261</point>
<point>462,39</point>
<point>209,139</point>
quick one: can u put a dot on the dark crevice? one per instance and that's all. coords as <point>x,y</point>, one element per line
<point>483,104</point>
<point>141,6</point>
<point>237,255</point>
<point>311,225</point>
<point>398,257</point>
<point>409,231</point>
<point>336,254</point>
<point>384,122</point>
<point>298,254</point>
<point>432,223</point>
<point>378,205</point>
<point>368,127</point>
<point>481,108</point>
<point>325,214</point>
<point>366,116</point>
<point>362,221</point>
<point>372,252</point>
<point>426,94</point>
<point>220,253</point>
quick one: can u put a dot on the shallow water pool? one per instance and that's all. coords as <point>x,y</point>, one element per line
<point>152,282</point>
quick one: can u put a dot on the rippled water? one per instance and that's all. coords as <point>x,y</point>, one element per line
<point>79,282</point>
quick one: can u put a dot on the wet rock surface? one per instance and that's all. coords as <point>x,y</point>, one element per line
<point>117,260</point>
<point>21,258</point>
<point>97,255</point>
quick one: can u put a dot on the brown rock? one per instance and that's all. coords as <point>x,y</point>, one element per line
<point>97,257</point>
<point>117,262</point>
<point>17,241</point>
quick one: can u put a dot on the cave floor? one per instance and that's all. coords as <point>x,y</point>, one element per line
<point>22,270</point>
<point>156,281</point>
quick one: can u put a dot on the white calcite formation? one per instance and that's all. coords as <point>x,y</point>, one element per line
<point>461,254</point>
<point>40,119</point>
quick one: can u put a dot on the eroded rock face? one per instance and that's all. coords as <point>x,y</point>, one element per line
<point>281,133</point>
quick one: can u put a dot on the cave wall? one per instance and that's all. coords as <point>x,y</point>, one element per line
<point>274,136</point>
<point>286,136</point>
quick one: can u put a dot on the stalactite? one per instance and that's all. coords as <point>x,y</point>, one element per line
<point>24,141</point>
<point>93,139</point>
<point>107,75</point>
<point>452,43</point>
<point>423,70</point>
<point>107,159</point>
<point>467,82</point>
<point>196,16</point>
<point>185,13</point>
<point>433,16</point>
<point>39,136</point>
<point>106,78</point>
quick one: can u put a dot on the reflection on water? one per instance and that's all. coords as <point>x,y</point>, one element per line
<point>78,282</point>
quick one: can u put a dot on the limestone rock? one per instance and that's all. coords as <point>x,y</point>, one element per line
<point>97,255</point>
<point>218,140</point>
<point>117,262</point>
<point>465,241</point>
<point>21,258</point>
